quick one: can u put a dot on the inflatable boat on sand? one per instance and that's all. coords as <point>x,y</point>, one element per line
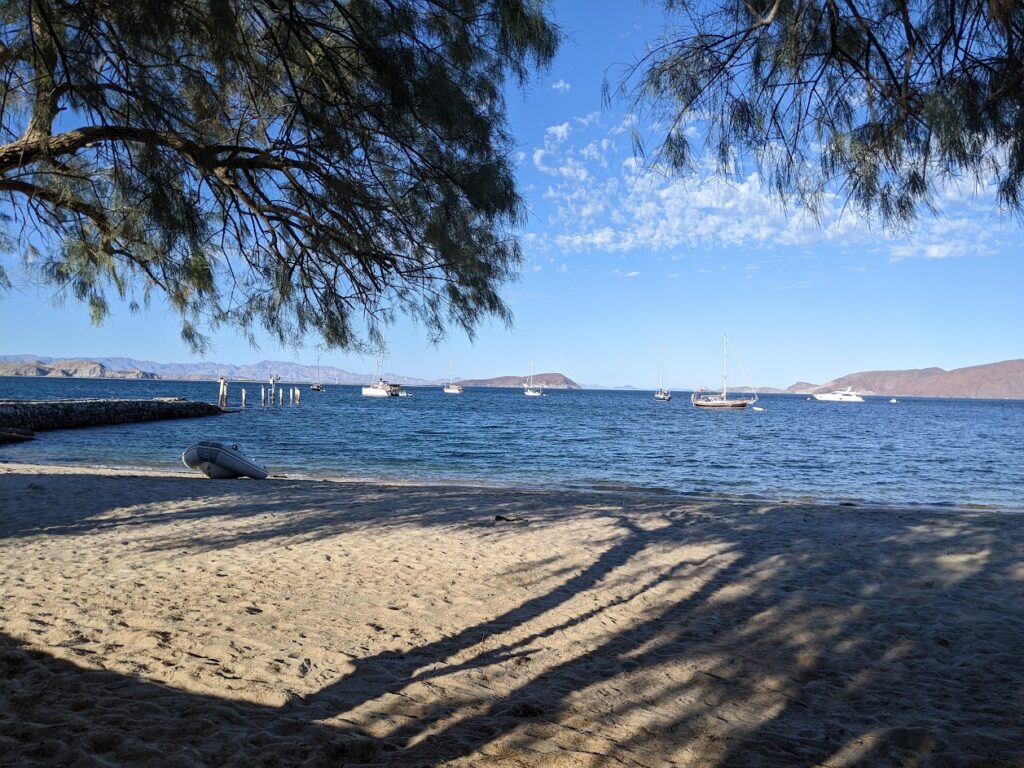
<point>221,462</point>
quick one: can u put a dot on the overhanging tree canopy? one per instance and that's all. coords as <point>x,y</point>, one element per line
<point>882,101</point>
<point>301,165</point>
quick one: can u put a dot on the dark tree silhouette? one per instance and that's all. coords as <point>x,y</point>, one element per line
<point>300,165</point>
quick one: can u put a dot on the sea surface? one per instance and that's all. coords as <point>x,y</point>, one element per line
<point>918,451</point>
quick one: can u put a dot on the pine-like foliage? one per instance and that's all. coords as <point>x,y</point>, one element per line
<point>879,101</point>
<point>300,165</point>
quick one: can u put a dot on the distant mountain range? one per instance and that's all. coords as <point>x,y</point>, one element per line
<point>1004,380</point>
<point>546,380</point>
<point>129,368</point>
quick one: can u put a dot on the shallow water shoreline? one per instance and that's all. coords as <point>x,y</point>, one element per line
<point>475,483</point>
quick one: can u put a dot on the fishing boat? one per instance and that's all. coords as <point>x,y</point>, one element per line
<point>451,388</point>
<point>893,401</point>
<point>703,397</point>
<point>221,462</point>
<point>839,396</point>
<point>529,389</point>
<point>662,394</point>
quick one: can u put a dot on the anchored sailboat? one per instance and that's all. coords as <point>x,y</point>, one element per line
<point>451,388</point>
<point>705,398</point>
<point>662,394</point>
<point>528,389</point>
<point>380,388</point>
<point>317,386</point>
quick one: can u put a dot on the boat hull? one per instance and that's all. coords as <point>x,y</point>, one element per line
<point>221,462</point>
<point>722,405</point>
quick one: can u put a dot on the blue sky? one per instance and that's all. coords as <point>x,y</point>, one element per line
<point>621,260</point>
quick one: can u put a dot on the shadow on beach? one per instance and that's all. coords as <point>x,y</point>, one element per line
<point>712,633</point>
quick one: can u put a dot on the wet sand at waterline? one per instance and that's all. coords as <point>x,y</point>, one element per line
<point>164,619</point>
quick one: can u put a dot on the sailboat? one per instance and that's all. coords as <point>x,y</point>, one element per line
<point>662,394</point>
<point>381,388</point>
<point>451,388</point>
<point>528,389</point>
<point>317,386</point>
<point>705,398</point>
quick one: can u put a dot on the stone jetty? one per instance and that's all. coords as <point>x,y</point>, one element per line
<point>19,418</point>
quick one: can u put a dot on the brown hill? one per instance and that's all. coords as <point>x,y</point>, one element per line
<point>1003,380</point>
<point>78,369</point>
<point>546,380</point>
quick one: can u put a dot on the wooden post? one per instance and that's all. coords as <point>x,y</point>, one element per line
<point>263,395</point>
<point>243,397</point>
<point>298,396</point>
<point>280,397</point>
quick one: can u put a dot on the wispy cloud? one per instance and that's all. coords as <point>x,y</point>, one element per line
<point>605,200</point>
<point>561,86</point>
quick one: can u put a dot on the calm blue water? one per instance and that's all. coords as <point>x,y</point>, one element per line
<point>925,451</point>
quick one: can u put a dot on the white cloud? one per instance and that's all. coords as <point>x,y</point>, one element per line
<point>558,133</point>
<point>628,123</point>
<point>602,199</point>
<point>564,269</point>
<point>950,249</point>
<point>561,86</point>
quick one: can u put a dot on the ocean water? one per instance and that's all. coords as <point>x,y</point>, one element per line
<point>919,451</point>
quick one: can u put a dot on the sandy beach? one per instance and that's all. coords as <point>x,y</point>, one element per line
<point>165,619</point>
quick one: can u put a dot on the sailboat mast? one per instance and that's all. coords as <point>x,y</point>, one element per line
<point>661,370</point>
<point>725,364</point>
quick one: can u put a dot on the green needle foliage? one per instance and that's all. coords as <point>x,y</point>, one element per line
<point>880,102</point>
<point>296,165</point>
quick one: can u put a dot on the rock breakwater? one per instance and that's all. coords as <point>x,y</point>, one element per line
<point>37,415</point>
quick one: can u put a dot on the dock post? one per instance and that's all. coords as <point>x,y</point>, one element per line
<point>222,396</point>
<point>243,397</point>
<point>280,397</point>
<point>298,396</point>
<point>263,395</point>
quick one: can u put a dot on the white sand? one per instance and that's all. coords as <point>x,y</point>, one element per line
<point>171,620</point>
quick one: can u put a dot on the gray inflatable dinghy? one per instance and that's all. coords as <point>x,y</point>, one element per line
<point>221,462</point>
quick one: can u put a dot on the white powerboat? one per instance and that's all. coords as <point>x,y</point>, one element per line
<point>221,462</point>
<point>839,396</point>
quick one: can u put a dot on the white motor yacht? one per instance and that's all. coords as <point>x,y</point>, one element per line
<point>839,396</point>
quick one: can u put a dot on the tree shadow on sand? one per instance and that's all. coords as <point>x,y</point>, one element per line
<point>703,634</point>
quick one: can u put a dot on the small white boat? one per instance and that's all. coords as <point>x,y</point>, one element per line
<point>758,408</point>
<point>451,388</point>
<point>702,397</point>
<point>839,396</point>
<point>221,462</point>
<point>664,395</point>
<point>893,401</point>
<point>529,390</point>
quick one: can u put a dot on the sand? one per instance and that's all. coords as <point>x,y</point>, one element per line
<point>163,619</point>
